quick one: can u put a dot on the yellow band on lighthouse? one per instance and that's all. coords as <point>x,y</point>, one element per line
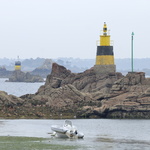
<point>105,55</point>
<point>105,40</point>
<point>17,65</point>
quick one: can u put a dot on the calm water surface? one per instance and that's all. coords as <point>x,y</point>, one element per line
<point>100,134</point>
<point>19,88</point>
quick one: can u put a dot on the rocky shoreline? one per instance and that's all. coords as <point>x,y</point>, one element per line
<point>82,95</point>
<point>20,76</point>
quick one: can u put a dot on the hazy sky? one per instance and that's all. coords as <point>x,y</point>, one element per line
<point>70,28</point>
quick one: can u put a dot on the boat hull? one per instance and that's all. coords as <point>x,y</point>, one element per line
<point>60,131</point>
<point>66,131</point>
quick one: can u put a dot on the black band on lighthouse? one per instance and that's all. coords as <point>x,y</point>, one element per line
<point>105,50</point>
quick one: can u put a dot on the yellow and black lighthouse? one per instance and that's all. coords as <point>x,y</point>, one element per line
<point>105,54</point>
<point>18,65</point>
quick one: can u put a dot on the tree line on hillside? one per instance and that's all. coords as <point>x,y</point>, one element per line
<point>77,65</point>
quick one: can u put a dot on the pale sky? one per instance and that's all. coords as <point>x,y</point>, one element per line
<point>70,28</point>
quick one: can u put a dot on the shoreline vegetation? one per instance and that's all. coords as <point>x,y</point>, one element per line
<point>66,116</point>
<point>30,143</point>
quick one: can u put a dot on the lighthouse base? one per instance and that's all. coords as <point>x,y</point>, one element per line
<point>102,69</point>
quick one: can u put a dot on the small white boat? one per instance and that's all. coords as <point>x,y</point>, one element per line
<point>66,131</point>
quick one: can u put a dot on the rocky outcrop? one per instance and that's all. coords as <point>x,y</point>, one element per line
<point>19,76</point>
<point>88,81</point>
<point>128,98</point>
<point>107,95</point>
<point>68,93</point>
<point>88,94</point>
<point>9,104</point>
<point>9,100</point>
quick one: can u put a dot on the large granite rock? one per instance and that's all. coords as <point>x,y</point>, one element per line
<point>9,105</point>
<point>115,93</point>
<point>128,98</point>
<point>9,100</point>
<point>89,95</point>
<point>88,81</point>
<point>69,93</point>
<point>19,76</point>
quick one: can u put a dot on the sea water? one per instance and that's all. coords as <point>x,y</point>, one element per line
<point>100,134</point>
<point>19,88</point>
